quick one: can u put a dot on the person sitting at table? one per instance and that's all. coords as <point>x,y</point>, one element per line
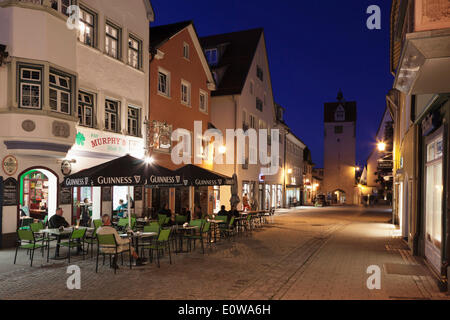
<point>58,220</point>
<point>187,213</point>
<point>121,209</point>
<point>198,212</point>
<point>122,243</point>
<point>166,211</point>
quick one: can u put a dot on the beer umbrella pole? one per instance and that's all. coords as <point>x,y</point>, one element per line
<point>128,207</point>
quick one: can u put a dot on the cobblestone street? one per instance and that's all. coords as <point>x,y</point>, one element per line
<point>302,254</point>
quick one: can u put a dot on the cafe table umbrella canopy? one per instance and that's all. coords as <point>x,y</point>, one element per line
<point>124,171</point>
<point>193,175</point>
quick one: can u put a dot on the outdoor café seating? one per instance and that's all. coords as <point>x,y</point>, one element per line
<point>160,245</point>
<point>76,240</point>
<point>107,246</point>
<point>27,241</point>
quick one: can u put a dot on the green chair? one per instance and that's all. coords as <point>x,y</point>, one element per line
<point>76,240</point>
<point>97,223</point>
<point>107,245</point>
<point>205,230</point>
<point>180,219</point>
<point>159,245</point>
<point>228,229</point>
<point>122,224</point>
<point>25,225</point>
<point>30,245</point>
<point>92,239</point>
<point>35,228</point>
<point>152,227</point>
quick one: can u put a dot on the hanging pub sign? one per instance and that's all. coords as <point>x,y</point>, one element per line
<point>66,167</point>
<point>10,165</point>
<point>65,196</point>
<point>10,192</point>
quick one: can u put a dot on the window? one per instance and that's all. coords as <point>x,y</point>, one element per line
<point>133,121</point>
<point>134,52</point>
<point>252,122</point>
<point>244,120</point>
<point>434,192</point>
<point>251,87</point>
<point>112,40</point>
<point>30,95</point>
<point>111,115</point>
<point>211,56</point>
<point>60,93</point>
<point>185,93</point>
<point>203,101</point>
<point>259,73</point>
<point>259,104</point>
<point>338,129</point>
<point>164,83</point>
<point>186,50</point>
<point>61,5</point>
<point>86,109</point>
<point>87,32</point>
<point>339,114</point>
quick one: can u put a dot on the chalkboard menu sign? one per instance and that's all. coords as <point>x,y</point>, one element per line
<point>65,196</point>
<point>10,192</point>
<point>137,193</point>
<point>106,194</point>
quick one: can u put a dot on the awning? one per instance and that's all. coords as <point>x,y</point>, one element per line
<point>124,171</point>
<point>197,176</point>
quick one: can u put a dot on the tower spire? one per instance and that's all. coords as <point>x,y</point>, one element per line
<point>340,96</point>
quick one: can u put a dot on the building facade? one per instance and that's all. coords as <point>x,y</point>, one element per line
<point>244,100</point>
<point>419,104</point>
<point>181,83</point>
<point>294,170</point>
<point>71,98</point>
<point>339,151</point>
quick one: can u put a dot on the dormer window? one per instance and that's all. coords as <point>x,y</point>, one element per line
<point>211,56</point>
<point>339,115</point>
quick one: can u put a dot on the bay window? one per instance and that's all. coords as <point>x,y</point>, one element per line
<point>30,87</point>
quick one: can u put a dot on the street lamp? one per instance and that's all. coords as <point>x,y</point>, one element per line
<point>381,146</point>
<point>289,171</point>
<point>222,149</point>
<point>149,160</point>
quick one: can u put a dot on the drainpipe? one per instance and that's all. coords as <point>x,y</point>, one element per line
<point>1,212</point>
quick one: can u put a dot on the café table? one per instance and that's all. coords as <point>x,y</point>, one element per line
<point>59,234</point>
<point>136,236</point>
<point>180,231</point>
<point>215,224</point>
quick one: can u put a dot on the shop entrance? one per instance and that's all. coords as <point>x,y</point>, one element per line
<point>38,193</point>
<point>339,197</point>
<point>433,201</point>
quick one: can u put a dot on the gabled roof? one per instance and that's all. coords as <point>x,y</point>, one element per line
<point>161,34</point>
<point>349,107</point>
<point>236,59</point>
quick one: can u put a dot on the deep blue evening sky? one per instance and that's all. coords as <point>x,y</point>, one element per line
<point>315,48</point>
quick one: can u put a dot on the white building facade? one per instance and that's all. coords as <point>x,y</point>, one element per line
<point>244,100</point>
<point>69,99</point>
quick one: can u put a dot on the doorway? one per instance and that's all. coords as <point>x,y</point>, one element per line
<point>38,192</point>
